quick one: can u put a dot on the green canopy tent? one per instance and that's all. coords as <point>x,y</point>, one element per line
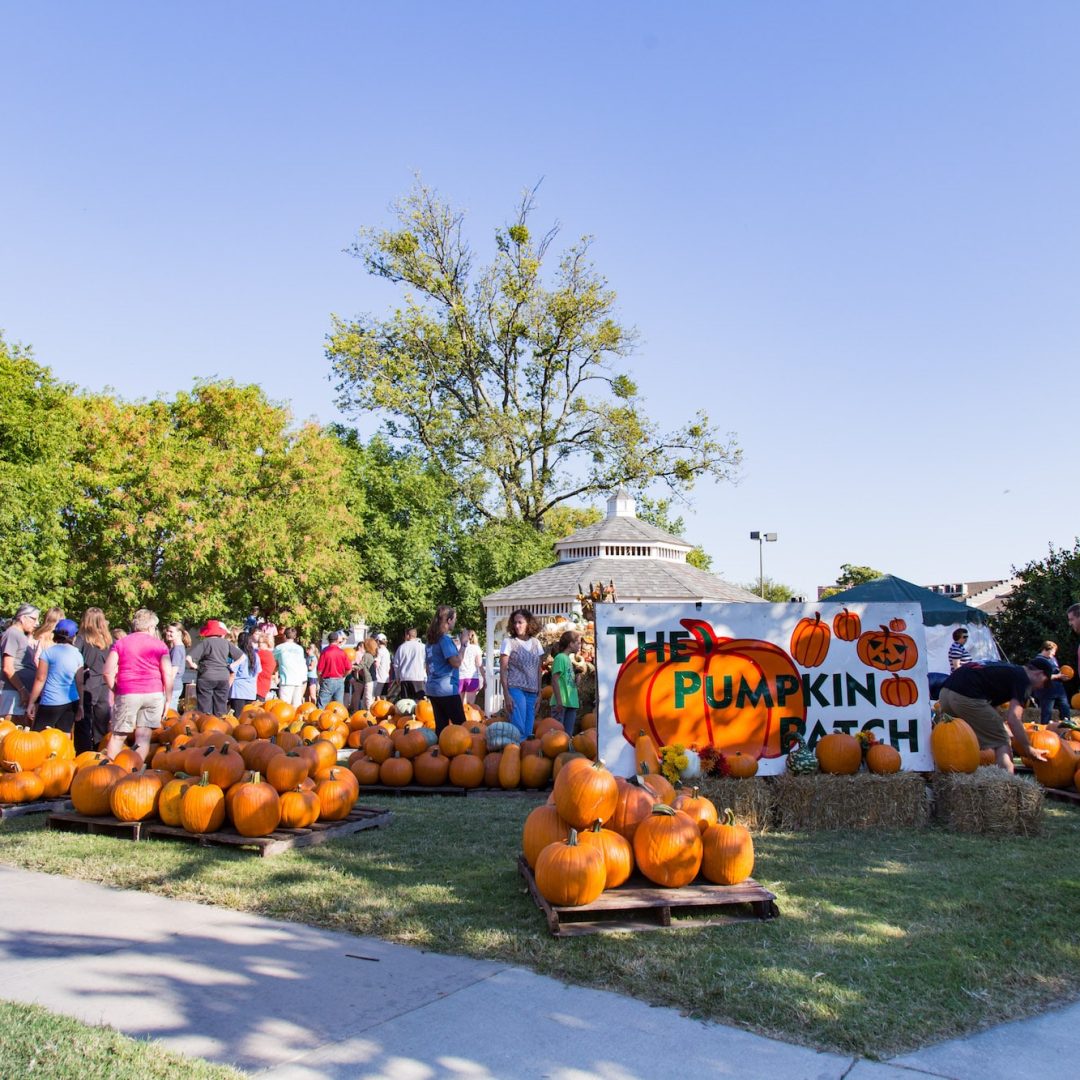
<point>941,616</point>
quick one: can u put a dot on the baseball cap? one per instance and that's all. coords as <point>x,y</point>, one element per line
<point>67,626</point>
<point>1040,663</point>
<point>381,637</point>
<point>213,628</point>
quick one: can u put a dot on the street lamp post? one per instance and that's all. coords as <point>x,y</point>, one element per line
<point>761,537</point>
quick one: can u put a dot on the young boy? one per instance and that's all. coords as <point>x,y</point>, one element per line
<point>564,701</point>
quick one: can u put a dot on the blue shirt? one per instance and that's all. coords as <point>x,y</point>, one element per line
<point>60,688</point>
<point>243,686</point>
<point>442,679</point>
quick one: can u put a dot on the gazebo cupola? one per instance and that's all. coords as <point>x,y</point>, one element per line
<point>621,535</point>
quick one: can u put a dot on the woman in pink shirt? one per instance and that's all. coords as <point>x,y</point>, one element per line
<point>140,675</point>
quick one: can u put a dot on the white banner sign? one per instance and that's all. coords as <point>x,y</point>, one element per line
<point>750,677</point>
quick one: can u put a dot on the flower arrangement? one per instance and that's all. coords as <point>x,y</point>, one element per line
<point>674,760</point>
<point>866,739</point>
<point>713,762</point>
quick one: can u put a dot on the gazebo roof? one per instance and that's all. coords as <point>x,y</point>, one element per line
<point>635,579</point>
<point>621,526</point>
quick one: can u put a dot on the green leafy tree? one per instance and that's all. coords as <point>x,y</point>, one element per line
<point>207,504</point>
<point>658,512</point>
<point>851,575</point>
<point>508,377</point>
<point>1035,610</point>
<point>776,592</point>
<point>37,430</point>
<point>407,528</point>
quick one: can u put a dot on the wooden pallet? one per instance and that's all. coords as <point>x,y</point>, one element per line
<point>38,806</point>
<point>1062,795</point>
<point>360,818</point>
<point>453,790</point>
<point>640,905</point>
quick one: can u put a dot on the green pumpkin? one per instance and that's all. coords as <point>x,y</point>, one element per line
<point>800,760</point>
<point>502,734</point>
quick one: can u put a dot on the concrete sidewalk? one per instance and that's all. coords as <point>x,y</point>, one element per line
<point>289,1001</point>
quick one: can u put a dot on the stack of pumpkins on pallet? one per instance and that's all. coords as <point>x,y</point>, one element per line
<point>596,828</point>
<point>401,751</point>
<point>956,749</point>
<point>34,764</point>
<point>253,771</point>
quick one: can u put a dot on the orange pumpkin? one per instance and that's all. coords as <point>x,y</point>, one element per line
<point>697,807</point>
<point>299,809</point>
<point>570,874</point>
<point>838,753</point>
<point>810,641</point>
<point>617,852</point>
<point>535,770</point>
<point>668,848</point>
<point>633,805</point>
<point>202,807</point>
<point>954,746</point>
<point>741,766</point>
<point>881,758</point>
<point>90,789</point>
<point>727,852</point>
<point>725,692</point>
<point>543,826</point>
<point>585,792</point>
<point>431,768</point>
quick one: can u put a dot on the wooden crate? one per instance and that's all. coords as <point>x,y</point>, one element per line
<point>360,818</point>
<point>640,905</point>
<point>38,806</point>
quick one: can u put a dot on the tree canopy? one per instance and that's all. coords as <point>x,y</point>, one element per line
<point>195,507</point>
<point>510,377</point>
<point>1035,611</point>
<point>851,575</point>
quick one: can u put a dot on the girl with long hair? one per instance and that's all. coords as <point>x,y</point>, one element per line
<point>94,640</point>
<point>522,656</point>
<point>245,673</point>
<point>443,655</point>
<point>43,635</point>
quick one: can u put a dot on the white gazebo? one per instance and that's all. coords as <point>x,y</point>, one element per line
<point>644,562</point>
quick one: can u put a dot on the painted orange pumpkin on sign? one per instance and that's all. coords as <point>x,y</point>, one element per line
<point>810,641</point>
<point>847,626</point>
<point>730,693</point>
<point>887,650</point>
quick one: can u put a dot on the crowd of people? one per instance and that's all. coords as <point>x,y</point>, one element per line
<point>102,684</point>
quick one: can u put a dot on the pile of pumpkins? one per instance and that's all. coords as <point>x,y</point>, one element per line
<point>274,766</point>
<point>398,747</point>
<point>596,828</point>
<point>34,764</point>
<point>841,754</point>
<point>956,749</point>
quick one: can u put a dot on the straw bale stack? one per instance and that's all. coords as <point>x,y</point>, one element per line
<point>861,801</point>
<point>989,801</point>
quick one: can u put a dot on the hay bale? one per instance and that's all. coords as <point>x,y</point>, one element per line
<point>989,802</point>
<point>862,801</point>
<point>750,799</point>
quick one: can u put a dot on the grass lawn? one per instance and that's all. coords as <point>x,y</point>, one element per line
<point>886,941</point>
<point>37,1043</point>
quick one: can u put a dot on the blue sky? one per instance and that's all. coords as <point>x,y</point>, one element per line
<point>852,227</point>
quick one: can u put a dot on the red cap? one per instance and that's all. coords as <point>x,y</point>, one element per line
<point>213,629</point>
